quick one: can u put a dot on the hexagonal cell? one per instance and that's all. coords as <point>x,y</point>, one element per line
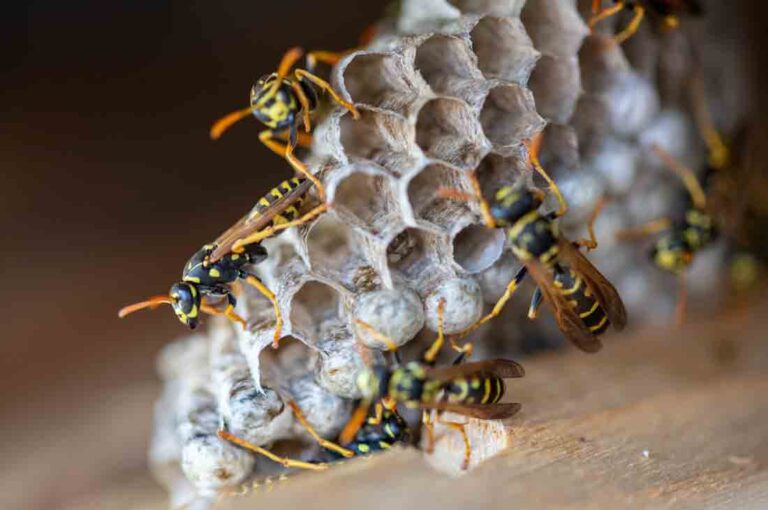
<point>556,27</point>
<point>496,171</point>
<point>383,81</point>
<point>385,139</point>
<point>415,253</point>
<point>476,247</point>
<point>495,7</point>
<point>556,85</point>
<point>446,129</point>
<point>503,49</point>
<point>368,201</point>
<point>509,116</point>
<point>313,305</point>
<point>600,60</point>
<point>590,120</point>
<point>449,66</point>
<point>425,201</point>
<point>328,245</point>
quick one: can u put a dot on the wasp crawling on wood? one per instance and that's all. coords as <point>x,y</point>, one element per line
<point>281,100</point>
<point>584,302</point>
<point>669,11</point>
<point>211,271</point>
<point>471,389</point>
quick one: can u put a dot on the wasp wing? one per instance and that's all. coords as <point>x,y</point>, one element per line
<point>278,200</point>
<point>566,317</point>
<point>481,411</point>
<point>601,288</point>
<point>503,368</point>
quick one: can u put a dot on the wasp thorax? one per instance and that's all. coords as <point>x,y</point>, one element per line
<point>510,204</point>
<point>186,303</point>
<point>672,253</point>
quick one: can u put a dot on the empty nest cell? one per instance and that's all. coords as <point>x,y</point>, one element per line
<point>368,200</point>
<point>426,202</point>
<point>509,116</point>
<point>314,305</point>
<point>383,81</point>
<point>477,247</point>
<point>448,65</point>
<point>446,129</point>
<point>496,171</point>
<point>385,139</point>
<point>556,27</point>
<point>556,85</point>
<point>503,49</point>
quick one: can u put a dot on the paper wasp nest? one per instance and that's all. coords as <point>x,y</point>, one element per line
<point>447,88</point>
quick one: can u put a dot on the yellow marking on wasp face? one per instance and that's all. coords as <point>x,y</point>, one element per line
<point>364,448</point>
<point>214,273</point>
<point>486,390</point>
<point>589,312</point>
<point>384,445</point>
<point>193,279</point>
<point>599,324</point>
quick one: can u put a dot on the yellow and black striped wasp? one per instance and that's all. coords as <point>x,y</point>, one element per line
<point>584,302</point>
<point>472,389</point>
<point>281,101</point>
<point>211,271</point>
<point>668,11</point>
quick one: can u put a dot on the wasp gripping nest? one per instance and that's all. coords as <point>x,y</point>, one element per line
<point>446,88</point>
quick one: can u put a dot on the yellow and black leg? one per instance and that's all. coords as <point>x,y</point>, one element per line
<point>303,75</point>
<point>536,300</point>
<point>285,461</point>
<point>254,282</point>
<point>534,148</point>
<point>326,57</point>
<point>499,306</point>
<point>328,445</point>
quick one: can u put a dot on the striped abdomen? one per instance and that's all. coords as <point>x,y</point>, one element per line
<point>481,388</point>
<point>374,437</point>
<point>277,193</point>
<point>572,286</point>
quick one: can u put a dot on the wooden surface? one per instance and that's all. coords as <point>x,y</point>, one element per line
<point>668,419</point>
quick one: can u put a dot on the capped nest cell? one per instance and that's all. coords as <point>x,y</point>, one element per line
<point>450,89</point>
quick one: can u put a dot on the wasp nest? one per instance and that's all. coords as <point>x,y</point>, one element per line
<point>447,88</point>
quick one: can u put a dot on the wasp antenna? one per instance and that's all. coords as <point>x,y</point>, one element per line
<point>227,121</point>
<point>689,179</point>
<point>152,302</point>
<point>534,147</point>
<point>719,155</point>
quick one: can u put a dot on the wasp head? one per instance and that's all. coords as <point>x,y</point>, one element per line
<point>511,203</point>
<point>185,299</point>
<point>672,253</point>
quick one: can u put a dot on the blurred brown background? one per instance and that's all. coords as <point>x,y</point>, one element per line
<point>108,184</point>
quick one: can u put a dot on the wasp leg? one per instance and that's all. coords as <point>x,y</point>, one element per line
<point>637,18</point>
<point>691,183</point>
<point>326,57</point>
<point>268,136</point>
<point>329,445</point>
<point>591,243</point>
<point>301,74</point>
<point>461,428</point>
<point>304,102</point>
<point>719,155</point>
<point>533,154</point>
<point>228,312</point>
<point>239,245</point>
<point>536,299</point>
<point>258,285</point>
<point>355,422</point>
<point>681,308</point>
<point>485,209</point>
<point>429,427</point>
<point>511,288</point>
<point>430,355</point>
<point>286,63</point>
<point>302,139</point>
<point>600,15</point>
<point>644,230</point>
<point>285,461</point>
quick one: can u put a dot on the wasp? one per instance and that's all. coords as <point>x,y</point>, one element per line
<point>281,101</point>
<point>212,270</point>
<point>584,302</point>
<point>669,11</point>
<point>471,389</point>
